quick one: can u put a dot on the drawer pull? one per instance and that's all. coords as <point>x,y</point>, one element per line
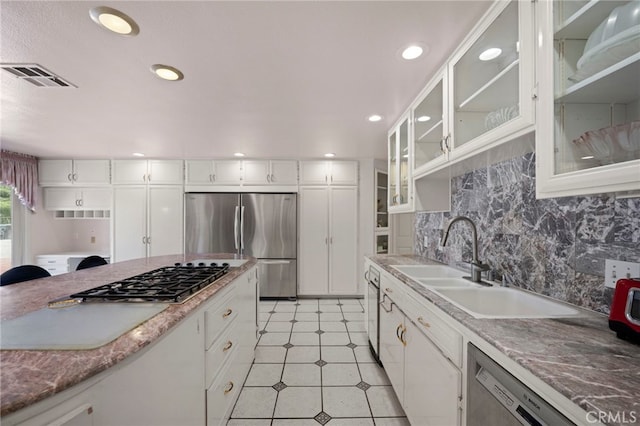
<point>227,346</point>
<point>227,313</point>
<point>423,322</point>
<point>228,388</point>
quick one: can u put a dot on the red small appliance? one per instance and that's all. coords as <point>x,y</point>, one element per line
<point>624,317</point>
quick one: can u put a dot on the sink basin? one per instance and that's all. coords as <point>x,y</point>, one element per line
<point>500,302</point>
<point>436,283</point>
<point>418,272</point>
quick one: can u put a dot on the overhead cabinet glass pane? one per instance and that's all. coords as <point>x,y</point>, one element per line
<point>393,168</point>
<point>404,161</point>
<point>427,127</point>
<point>597,83</point>
<point>486,79</point>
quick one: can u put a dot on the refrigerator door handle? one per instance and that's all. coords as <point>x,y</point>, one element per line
<point>275,262</point>
<point>242,228</point>
<point>235,228</point>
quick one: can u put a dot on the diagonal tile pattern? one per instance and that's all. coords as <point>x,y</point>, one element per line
<point>313,367</point>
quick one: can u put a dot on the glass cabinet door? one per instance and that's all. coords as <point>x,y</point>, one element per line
<point>428,127</point>
<point>403,162</point>
<point>486,80</point>
<point>597,84</point>
<point>393,169</point>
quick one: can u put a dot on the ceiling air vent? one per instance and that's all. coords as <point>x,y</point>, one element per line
<point>36,75</point>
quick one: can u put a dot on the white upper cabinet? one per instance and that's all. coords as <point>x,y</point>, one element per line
<point>270,172</point>
<point>400,153</point>
<point>483,96</point>
<point>588,119</point>
<point>151,172</point>
<point>74,172</point>
<point>328,173</point>
<point>214,172</point>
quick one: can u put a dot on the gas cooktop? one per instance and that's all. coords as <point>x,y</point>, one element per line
<point>173,284</point>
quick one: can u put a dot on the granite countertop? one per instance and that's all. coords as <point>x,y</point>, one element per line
<point>577,356</point>
<point>28,376</point>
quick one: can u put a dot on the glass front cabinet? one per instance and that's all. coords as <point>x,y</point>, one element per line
<point>588,119</point>
<point>484,95</point>
<point>400,181</point>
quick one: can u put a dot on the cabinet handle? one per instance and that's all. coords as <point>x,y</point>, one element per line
<point>144,240</point>
<point>442,146</point>
<point>148,240</point>
<point>149,178</point>
<point>214,177</point>
<point>366,275</point>
<point>228,388</point>
<point>384,296</point>
<point>446,142</point>
<point>227,313</point>
<point>74,177</point>
<point>269,178</point>
<point>398,331</point>
<point>326,241</point>
<point>80,202</point>
<point>423,322</point>
<point>404,342</point>
<point>326,179</point>
<point>388,290</point>
<point>227,346</point>
<point>330,240</point>
<point>69,177</point>
<point>331,178</point>
<point>144,177</point>
<point>273,178</point>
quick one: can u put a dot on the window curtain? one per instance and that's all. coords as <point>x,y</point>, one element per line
<point>20,171</point>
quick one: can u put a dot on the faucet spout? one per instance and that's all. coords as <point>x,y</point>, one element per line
<point>476,265</point>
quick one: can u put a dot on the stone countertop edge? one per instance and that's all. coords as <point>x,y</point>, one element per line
<point>580,357</point>
<point>29,376</point>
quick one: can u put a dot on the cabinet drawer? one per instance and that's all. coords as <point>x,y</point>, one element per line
<point>448,340</point>
<point>223,393</point>
<point>393,288</point>
<point>221,350</point>
<point>219,316</point>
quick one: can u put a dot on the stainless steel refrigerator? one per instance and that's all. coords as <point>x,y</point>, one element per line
<point>260,225</point>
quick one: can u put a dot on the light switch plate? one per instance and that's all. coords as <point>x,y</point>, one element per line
<point>425,241</point>
<point>616,269</point>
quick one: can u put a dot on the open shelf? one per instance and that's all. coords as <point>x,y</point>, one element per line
<point>616,84</point>
<point>581,23</point>
<point>486,97</point>
<point>82,214</point>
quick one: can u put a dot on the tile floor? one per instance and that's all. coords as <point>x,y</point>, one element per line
<point>313,366</point>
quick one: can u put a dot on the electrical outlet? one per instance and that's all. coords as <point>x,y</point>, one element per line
<point>425,241</point>
<point>616,269</point>
<point>93,240</point>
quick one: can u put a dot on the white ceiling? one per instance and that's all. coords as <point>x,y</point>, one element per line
<point>293,79</point>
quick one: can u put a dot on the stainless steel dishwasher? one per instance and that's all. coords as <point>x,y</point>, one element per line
<point>497,398</point>
<point>373,307</point>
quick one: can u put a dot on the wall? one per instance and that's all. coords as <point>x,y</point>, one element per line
<point>555,247</point>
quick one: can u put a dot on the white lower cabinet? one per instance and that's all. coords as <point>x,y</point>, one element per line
<point>147,221</point>
<point>427,381</point>
<point>328,223</point>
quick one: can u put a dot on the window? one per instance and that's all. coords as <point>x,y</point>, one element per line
<point>6,195</point>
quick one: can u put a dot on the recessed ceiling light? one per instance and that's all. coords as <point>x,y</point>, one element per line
<point>330,155</point>
<point>167,72</point>
<point>423,118</point>
<point>138,154</point>
<point>238,154</point>
<point>490,54</point>
<point>375,117</point>
<point>114,20</point>
<point>412,52</point>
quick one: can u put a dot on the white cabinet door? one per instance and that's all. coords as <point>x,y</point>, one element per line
<point>95,198</point>
<point>129,171</point>
<point>165,220</point>
<point>314,231</point>
<point>314,173</point>
<point>199,172</point>
<point>61,199</point>
<point>129,222</point>
<point>343,172</point>
<point>91,172</point>
<point>165,172</point>
<point>256,172</point>
<point>227,172</point>
<point>284,172</point>
<point>391,347</point>
<point>55,172</point>
<point>432,385</point>
<point>343,241</point>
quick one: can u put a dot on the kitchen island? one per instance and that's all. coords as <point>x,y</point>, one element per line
<point>575,362</point>
<point>34,381</point>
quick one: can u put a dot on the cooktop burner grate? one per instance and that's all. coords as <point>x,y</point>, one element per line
<point>172,284</point>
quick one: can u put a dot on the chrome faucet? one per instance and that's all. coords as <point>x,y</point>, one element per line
<point>477,267</point>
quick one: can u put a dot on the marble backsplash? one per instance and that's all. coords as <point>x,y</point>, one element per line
<point>556,247</point>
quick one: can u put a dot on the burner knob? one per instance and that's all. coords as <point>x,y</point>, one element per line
<point>202,264</point>
<point>177,264</point>
<point>189,264</point>
<point>225,265</point>
<point>214,264</point>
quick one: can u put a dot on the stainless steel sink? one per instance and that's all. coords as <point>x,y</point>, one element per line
<point>501,302</point>
<point>418,272</point>
<point>436,283</point>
